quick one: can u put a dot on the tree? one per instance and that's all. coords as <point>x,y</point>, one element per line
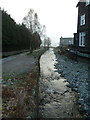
<point>32,23</point>
<point>28,20</point>
<point>43,34</point>
<point>37,40</point>
<point>36,24</point>
<point>47,42</point>
<point>14,36</point>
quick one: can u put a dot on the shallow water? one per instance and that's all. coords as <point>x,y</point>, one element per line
<point>56,99</point>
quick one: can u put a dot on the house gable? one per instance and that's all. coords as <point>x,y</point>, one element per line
<point>82,37</point>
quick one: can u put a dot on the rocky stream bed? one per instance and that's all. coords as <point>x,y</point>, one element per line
<point>56,99</point>
<point>76,74</point>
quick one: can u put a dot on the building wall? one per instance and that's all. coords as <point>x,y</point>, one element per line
<point>83,9</point>
<point>75,39</point>
<point>89,28</point>
<point>66,41</point>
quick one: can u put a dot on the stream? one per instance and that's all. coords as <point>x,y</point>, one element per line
<point>56,100</point>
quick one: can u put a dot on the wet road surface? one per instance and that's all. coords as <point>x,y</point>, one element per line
<point>56,100</point>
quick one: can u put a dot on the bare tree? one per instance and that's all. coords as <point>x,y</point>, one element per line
<point>31,21</point>
<point>36,24</point>
<point>43,34</point>
<point>28,20</point>
<point>47,42</point>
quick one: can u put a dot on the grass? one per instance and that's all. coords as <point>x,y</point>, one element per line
<point>37,53</point>
<point>18,98</point>
<point>7,54</point>
<point>19,93</point>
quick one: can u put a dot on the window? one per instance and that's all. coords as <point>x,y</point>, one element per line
<point>82,20</point>
<point>87,2</point>
<point>82,36</point>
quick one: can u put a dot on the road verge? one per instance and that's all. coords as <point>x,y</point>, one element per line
<point>20,92</point>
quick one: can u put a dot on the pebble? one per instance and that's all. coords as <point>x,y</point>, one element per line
<point>76,73</point>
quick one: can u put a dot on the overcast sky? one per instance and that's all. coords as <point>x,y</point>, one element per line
<point>59,16</point>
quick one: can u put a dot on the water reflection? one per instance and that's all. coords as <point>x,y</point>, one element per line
<point>56,99</point>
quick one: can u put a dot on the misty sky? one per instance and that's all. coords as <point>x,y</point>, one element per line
<point>59,16</point>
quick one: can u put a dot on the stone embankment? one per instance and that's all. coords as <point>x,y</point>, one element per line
<point>76,74</point>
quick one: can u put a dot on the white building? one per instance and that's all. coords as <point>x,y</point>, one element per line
<point>66,41</point>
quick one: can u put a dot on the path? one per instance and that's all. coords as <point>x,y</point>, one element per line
<point>18,64</point>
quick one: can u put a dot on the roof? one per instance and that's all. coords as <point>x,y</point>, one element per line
<point>80,2</point>
<point>66,38</point>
